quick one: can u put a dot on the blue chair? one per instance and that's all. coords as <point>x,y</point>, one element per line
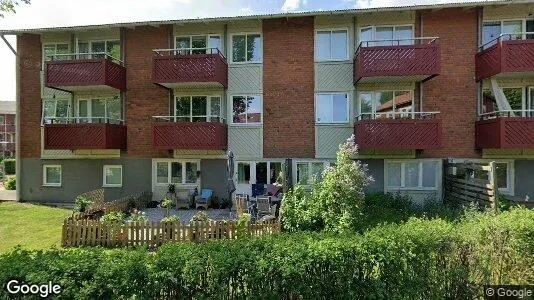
<point>204,199</point>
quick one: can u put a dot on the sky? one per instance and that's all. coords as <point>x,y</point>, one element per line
<point>52,13</point>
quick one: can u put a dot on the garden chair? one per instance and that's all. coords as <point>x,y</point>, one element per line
<point>204,199</point>
<point>263,206</point>
<point>183,199</point>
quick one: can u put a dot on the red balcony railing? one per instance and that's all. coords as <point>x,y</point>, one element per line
<point>84,72</point>
<point>414,59</point>
<point>506,54</point>
<point>204,133</point>
<point>204,67</point>
<point>423,131</point>
<point>503,130</point>
<point>84,133</point>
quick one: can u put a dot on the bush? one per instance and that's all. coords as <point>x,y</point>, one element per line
<point>419,259</point>
<point>113,219</point>
<point>138,216</point>
<point>11,183</point>
<point>169,219</point>
<point>335,203</point>
<point>9,166</point>
<point>81,204</point>
<point>200,217</point>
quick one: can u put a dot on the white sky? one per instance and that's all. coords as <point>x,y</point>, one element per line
<point>52,13</point>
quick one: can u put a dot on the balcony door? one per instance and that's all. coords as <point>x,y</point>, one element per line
<point>197,109</point>
<point>99,110</point>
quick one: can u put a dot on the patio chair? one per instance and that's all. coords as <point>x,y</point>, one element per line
<point>263,206</point>
<point>204,199</point>
<point>183,198</point>
<point>271,215</point>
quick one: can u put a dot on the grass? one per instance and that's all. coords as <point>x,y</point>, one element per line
<point>29,225</point>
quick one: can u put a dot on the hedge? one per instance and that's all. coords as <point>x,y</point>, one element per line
<point>9,166</point>
<point>420,259</point>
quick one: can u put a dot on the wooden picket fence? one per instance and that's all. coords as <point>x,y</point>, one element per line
<point>122,204</point>
<point>153,234</point>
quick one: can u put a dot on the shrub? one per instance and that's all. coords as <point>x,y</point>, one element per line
<point>138,216</point>
<point>169,219</point>
<point>81,204</point>
<point>9,166</point>
<point>419,259</point>
<point>11,184</point>
<point>167,204</point>
<point>113,219</point>
<point>336,202</point>
<point>200,217</point>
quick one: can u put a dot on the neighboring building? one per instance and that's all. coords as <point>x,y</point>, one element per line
<point>7,128</point>
<point>176,95</point>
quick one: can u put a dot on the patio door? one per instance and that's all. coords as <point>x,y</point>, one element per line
<point>255,172</point>
<point>83,111</point>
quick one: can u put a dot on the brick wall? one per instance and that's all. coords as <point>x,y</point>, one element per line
<point>453,93</point>
<point>288,84</point>
<point>30,59</point>
<point>144,99</point>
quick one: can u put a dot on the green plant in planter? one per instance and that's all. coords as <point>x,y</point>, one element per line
<point>113,219</point>
<point>169,219</point>
<point>81,204</point>
<point>167,204</point>
<point>200,217</point>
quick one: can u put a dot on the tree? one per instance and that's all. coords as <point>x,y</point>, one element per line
<point>8,6</point>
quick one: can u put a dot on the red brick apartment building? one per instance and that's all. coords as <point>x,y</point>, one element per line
<point>137,106</point>
<point>7,128</point>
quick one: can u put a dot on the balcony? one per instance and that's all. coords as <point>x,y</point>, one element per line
<point>505,130</point>
<point>203,133</point>
<point>399,60</point>
<point>205,67</point>
<point>508,56</point>
<point>84,133</point>
<point>85,72</point>
<point>376,131</point>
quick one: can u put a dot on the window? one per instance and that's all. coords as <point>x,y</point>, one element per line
<point>247,48</point>
<point>178,172</point>
<point>51,175</point>
<point>98,49</point>
<point>308,171</point>
<point>332,108</point>
<point>50,50</point>
<point>386,35</point>
<point>98,110</point>
<point>198,44</point>
<point>514,97</point>
<point>247,109</point>
<point>386,104</point>
<point>412,175</point>
<point>2,120</point>
<point>198,109</point>
<point>55,108</point>
<point>243,172</point>
<point>113,176</point>
<point>331,45</point>
<point>511,29</point>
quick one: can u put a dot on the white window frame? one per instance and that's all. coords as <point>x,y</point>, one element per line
<point>55,100</point>
<point>208,104</point>
<point>48,184</point>
<point>169,162</point>
<point>331,45</point>
<point>207,36</point>
<point>231,110</point>
<point>89,106</point>
<point>326,164</point>
<point>373,102</point>
<point>373,31</point>
<point>501,21</point>
<point>55,48</point>
<point>246,34</point>
<point>403,186</point>
<point>104,182</point>
<point>2,120</point>
<point>332,96</point>
<point>510,178</point>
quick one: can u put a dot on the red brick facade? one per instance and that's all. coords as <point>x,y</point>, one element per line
<point>288,85</point>
<point>453,92</point>
<point>30,59</point>
<point>144,99</point>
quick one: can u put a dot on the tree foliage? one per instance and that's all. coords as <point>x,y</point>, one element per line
<point>9,6</point>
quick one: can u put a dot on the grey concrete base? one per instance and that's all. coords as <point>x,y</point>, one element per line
<point>6,195</point>
<point>524,179</point>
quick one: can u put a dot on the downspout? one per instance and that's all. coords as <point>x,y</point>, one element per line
<point>479,41</point>
<point>421,34</point>
<point>17,120</point>
<point>122,37</point>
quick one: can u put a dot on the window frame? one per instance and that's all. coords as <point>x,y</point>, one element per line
<point>373,32</point>
<point>231,110</point>
<point>90,47</point>
<point>169,162</point>
<point>373,102</point>
<point>403,186</point>
<point>331,29</point>
<point>326,164</point>
<point>208,105</point>
<point>523,26</point>
<point>332,102</point>
<point>104,181</point>
<point>55,49</point>
<point>45,179</point>
<point>207,36</point>
<point>510,178</point>
<point>90,110</point>
<point>55,100</point>
<point>231,53</point>
<point>2,120</point>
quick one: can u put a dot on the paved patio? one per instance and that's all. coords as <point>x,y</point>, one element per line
<point>156,214</point>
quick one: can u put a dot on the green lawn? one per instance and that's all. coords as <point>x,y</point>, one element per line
<point>32,226</point>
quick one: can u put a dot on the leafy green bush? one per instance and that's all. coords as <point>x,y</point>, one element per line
<point>137,216</point>
<point>11,183</point>
<point>335,203</point>
<point>114,218</point>
<point>81,204</point>
<point>419,259</point>
<point>170,219</point>
<point>200,217</point>
<point>9,166</point>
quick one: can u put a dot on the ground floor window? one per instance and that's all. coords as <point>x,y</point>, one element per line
<point>112,176</point>
<point>412,174</point>
<point>178,172</point>
<point>307,171</point>
<point>51,175</point>
<point>262,172</point>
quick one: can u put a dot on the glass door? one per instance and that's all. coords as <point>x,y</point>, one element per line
<point>83,111</point>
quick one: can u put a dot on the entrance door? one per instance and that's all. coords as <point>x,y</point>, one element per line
<point>244,177</point>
